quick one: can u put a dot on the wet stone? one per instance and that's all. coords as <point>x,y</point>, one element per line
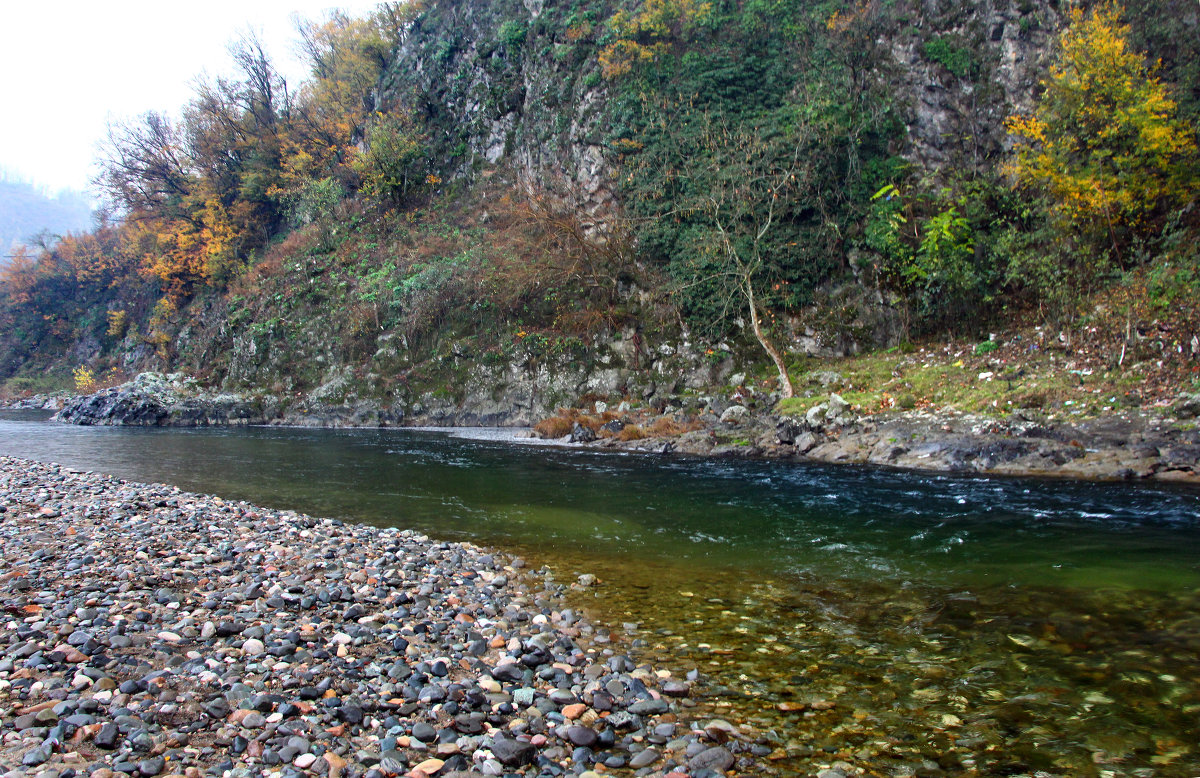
<point>513,753</point>
<point>246,638</point>
<point>716,758</point>
<point>581,736</point>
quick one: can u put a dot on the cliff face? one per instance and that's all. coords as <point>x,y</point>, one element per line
<point>516,83</point>
<point>514,87</point>
<point>963,68</point>
<point>426,309</point>
<point>509,82</point>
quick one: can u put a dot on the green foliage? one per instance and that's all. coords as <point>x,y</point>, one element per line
<point>774,79</point>
<point>512,35</point>
<point>315,200</point>
<point>927,250</point>
<point>945,51</point>
<point>1174,282</point>
<point>394,164</point>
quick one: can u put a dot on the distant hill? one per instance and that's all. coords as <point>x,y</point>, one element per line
<point>26,211</point>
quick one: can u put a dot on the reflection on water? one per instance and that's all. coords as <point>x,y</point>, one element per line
<point>941,625</point>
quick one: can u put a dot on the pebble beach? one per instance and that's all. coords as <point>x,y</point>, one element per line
<point>149,631</point>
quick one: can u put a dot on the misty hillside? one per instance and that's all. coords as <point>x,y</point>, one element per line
<point>26,211</point>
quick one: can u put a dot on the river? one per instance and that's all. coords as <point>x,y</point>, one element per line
<point>901,622</point>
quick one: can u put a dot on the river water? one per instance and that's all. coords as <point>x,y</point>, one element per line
<point>905,623</point>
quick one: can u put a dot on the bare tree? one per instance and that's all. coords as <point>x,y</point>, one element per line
<point>742,184</point>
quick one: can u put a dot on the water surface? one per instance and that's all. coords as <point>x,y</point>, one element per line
<point>994,626</point>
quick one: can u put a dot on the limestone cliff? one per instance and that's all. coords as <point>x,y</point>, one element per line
<point>505,82</point>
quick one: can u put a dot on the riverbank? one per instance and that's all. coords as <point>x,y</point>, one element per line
<point>1139,444</point>
<point>154,631</point>
<point>1129,446</point>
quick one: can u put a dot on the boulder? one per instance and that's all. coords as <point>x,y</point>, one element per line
<point>582,434</point>
<point>734,414</point>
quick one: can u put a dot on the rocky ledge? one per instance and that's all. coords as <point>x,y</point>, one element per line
<point>172,400</point>
<point>176,400</point>
<point>1118,447</point>
<point>152,631</point>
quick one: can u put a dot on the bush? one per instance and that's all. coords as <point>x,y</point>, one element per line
<point>553,427</point>
<point>956,59</point>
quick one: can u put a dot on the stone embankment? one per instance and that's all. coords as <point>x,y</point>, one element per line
<point>149,631</point>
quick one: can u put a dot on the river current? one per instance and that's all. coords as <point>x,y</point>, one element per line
<point>904,623</point>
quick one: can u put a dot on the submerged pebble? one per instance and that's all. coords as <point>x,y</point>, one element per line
<point>150,631</point>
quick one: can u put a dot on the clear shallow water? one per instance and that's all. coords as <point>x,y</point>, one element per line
<point>989,625</point>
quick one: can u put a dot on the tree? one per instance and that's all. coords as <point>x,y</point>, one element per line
<point>740,188</point>
<point>1105,142</point>
<point>393,164</point>
<point>144,167</point>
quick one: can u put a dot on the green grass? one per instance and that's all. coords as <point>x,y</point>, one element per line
<point>882,381</point>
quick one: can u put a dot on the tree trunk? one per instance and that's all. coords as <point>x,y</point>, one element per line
<point>785,381</point>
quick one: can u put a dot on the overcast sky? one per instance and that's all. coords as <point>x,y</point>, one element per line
<point>68,68</point>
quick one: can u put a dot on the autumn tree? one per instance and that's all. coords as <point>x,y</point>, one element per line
<point>143,165</point>
<point>1105,141</point>
<point>197,193</point>
<point>393,164</point>
<point>345,58</point>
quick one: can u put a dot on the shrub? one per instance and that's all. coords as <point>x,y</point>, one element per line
<point>553,427</point>
<point>85,379</point>
<point>956,59</point>
<point>631,432</point>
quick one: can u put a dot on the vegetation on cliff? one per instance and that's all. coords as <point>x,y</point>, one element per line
<point>480,183</point>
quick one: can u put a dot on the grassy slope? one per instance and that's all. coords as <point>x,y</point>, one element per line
<point>1134,350</point>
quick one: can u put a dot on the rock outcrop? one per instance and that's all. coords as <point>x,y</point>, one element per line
<point>158,400</point>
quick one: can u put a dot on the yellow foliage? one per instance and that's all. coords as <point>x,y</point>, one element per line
<point>85,379</point>
<point>579,31</point>
<point>622,56</point>
<point>118,323</point>
<point>644,36</point>
<point>842,20</point>
<point>1105,141</point>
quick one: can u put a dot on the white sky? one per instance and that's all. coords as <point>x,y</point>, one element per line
<point>68,68</point>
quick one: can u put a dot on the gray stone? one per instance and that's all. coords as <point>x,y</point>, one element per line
<point>644,758</point>
<point>513,753</point>
<point>735,413</point>
<point>648,707</point>
<point>716,758</point>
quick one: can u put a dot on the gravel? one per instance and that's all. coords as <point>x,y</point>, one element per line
<point>150,631</point>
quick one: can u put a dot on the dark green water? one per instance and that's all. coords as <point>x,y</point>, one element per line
<point>975,626</point>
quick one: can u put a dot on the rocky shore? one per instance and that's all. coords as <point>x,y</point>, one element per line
<point>149,631</point>
<point>176,400</point>
<point>1132,445</point>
